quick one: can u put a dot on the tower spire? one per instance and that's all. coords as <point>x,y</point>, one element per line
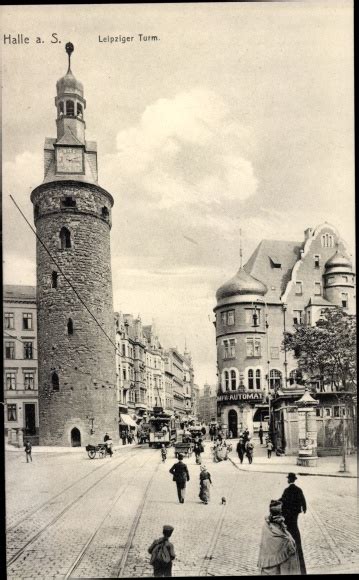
<point>69,47</point>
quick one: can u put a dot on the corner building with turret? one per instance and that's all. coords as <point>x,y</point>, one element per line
<point>284,283</point>
<point>76,349</point>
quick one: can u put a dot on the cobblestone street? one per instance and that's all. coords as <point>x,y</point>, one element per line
<point>68,516</point>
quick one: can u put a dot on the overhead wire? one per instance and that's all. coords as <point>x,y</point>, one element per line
<point>64,275</point>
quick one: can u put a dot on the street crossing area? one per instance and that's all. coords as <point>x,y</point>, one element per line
<point>71,517</point>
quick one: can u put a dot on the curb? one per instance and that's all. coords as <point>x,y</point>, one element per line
<point>63,451</point>
<point>298,472</point>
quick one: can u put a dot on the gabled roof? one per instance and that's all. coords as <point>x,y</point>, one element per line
<point>19,292</point>
<point>267,255</point>
<point>69,138</point>
<point>319,301</point>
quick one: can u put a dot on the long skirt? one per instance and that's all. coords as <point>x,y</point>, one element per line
<point>204,493</point>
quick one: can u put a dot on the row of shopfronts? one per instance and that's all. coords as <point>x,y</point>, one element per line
<point>335,415</point>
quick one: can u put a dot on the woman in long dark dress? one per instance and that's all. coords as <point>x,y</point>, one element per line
<point>205,483</point>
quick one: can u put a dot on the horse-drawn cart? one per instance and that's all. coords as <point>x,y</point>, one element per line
<point>184,448</point>
<point>99,450</point>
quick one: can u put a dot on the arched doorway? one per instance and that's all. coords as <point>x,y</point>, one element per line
<point>233,422</point>
<point>75,437</point>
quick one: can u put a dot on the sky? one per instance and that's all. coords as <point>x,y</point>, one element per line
<point>238,117</point>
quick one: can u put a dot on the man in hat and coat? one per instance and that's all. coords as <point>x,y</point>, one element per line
<point>162,553</point>
<point>277,553</point>
<point>180,476</point>
<point>294,503</point>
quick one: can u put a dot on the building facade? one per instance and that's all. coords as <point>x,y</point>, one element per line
<point>207,404</point>
<point>20,364</point>
<point>76,334</point>
<point>174,362</point>
<point>282,284</point>
<point>188,383</point>
<point>149,376</point>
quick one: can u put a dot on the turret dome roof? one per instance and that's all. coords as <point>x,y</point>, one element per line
<point>242,283</point>
<point>69,84</point>
<point>338,259</point>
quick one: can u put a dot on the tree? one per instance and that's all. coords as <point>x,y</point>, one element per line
<point>327,350</point>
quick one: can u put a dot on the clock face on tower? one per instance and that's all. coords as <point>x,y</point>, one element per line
<point>69,160</point>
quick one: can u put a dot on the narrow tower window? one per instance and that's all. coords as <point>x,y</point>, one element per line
<point>70,326</point>
<point>226,380</point>
<point>105,212</point>
<point>65,238</point>
<point>79,110</point>
<point>70,108</point>
<point>54,277</point>
<point>61,108</point>
<point>68,201</point>
<point>55,381</point>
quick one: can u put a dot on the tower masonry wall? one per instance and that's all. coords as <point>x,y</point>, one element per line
<point>84,359</point>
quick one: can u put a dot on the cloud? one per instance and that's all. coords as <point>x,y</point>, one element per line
<point>184,150</point>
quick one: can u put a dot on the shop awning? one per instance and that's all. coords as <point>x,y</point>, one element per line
<point>127,420</point>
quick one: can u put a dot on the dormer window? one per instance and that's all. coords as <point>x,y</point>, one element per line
<point>79,110</point>
<point>70,108</point>
<point>275,262</point>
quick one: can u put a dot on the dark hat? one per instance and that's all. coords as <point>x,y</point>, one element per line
<point>275,507</point>
<point>291,477</point>
<point>180,456</point>
<point>168,529</point>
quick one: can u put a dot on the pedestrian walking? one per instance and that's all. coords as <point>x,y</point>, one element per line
<point>294,503</point>
<point>162,554</point>
<point>204,485</point>
<point>109,446</point>
<point>198,449</point>
<point>269,449</point>
<point>180,476</point>
<point>260,433</point>
<point>240,449</point>
<point>246,435</point>
<point>203,431</point>
<point>28,449</point>
<point>106,438</point>
<point>277,552</point>
<point>124,438</point>
<point>249,450</point>
<point>163,453</point>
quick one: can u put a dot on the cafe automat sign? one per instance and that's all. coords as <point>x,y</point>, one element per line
<point>256,397</point>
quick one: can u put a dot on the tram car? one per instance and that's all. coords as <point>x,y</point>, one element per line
<point>162,428</point>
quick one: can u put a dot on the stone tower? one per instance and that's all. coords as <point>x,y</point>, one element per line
<point>76,349</point>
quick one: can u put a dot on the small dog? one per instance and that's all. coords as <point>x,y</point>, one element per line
<point>223,501</point>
